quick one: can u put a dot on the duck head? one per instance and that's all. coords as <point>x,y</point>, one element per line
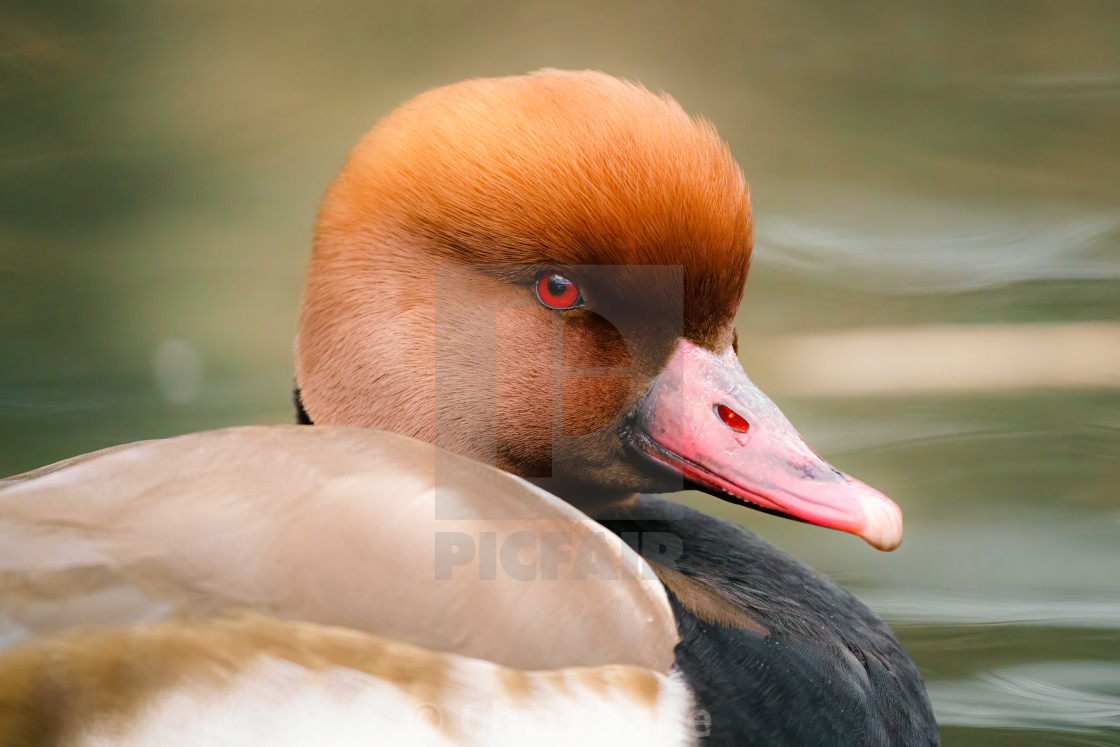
<point>542,273</point>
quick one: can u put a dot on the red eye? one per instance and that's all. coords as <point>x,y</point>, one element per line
<point>557,292</point>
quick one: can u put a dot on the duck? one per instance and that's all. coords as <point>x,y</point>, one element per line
<point>517,330</point>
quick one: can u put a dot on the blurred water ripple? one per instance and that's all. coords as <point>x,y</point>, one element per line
<point>911,247</point>
<point>1062,695</point>
<point>1057,85</point>
<point>937,608</point>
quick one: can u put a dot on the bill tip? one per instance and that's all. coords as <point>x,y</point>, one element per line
<point>883,530</point>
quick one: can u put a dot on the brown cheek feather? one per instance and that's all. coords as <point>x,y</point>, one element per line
<point>523,392</point>
<point>592,403</point>
<point>589,341</point>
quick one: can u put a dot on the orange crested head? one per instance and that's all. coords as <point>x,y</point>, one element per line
<point>554,168</point>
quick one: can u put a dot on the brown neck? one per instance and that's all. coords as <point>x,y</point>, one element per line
<point>592,500</point>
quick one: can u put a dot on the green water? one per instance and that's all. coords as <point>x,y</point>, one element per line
<point>911,164</point>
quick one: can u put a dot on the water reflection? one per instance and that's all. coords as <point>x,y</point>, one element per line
<point>950,609</point>
<point>886,244</point>
<point>1072,696</point>
<point>1056,86</point>
<point>911,164</point>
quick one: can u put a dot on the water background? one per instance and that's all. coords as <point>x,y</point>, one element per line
<point>913,165</point>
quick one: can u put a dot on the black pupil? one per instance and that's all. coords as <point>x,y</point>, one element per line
<point>557,285</point>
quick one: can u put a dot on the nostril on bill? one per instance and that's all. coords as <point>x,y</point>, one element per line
<point>732,419</point>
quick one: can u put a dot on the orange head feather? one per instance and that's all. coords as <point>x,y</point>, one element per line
<point>417,303</point>
<point>564,168</point>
